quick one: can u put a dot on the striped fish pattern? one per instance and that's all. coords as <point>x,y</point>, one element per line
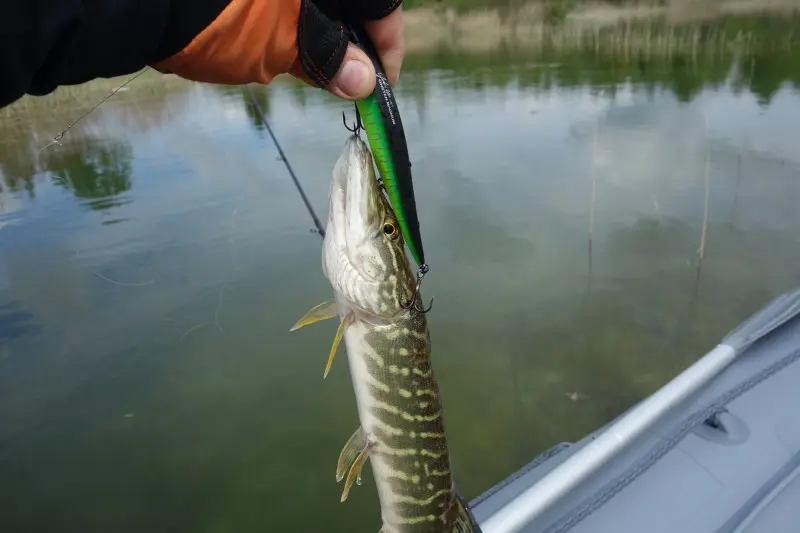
<point>388,346</point>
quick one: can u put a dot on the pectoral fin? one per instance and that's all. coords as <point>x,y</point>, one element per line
<point>346,321</point>
<point>318,313</point>
<point>355,468</point>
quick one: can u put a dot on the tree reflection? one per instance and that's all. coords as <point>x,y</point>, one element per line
<point>299,92</point>
<point>768,73</point>
<point>18,170</point>
<point>685,58</point>
<point>99,171</point>
<point>242,95</point>
<point>258,114</point>
<point>18,182</point>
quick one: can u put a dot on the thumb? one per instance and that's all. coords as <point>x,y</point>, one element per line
<point>355,78</point>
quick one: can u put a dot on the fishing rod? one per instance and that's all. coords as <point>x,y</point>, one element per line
<point>285,160</point>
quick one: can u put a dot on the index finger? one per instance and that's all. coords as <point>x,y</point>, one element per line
<point>387,37</point>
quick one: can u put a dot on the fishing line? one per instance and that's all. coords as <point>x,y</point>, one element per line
<point>63,132</point>
<point>299,187</point>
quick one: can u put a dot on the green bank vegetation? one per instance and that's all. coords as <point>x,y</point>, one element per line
<point>606,30</point>
<point>552,11</point>
<point>464,5</point>
<point>556,11</point>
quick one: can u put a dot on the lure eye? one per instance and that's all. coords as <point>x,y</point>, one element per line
<point>390,230</point>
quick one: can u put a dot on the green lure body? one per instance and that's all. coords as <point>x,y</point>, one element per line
<point>387,141</point>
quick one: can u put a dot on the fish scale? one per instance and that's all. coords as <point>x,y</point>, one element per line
<point>400,411</point>
<point>401,430</point>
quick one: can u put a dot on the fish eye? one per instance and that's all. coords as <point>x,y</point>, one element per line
<point>390,229</point>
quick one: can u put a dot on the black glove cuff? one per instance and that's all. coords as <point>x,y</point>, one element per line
<point>321,43</point>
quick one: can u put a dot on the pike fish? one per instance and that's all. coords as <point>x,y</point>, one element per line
<point>388,346</point>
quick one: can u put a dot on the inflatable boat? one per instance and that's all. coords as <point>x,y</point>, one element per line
<point>716,450</point>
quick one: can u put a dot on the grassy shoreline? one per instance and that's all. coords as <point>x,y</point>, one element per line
<point>600,10</point>
<point>532,24</point>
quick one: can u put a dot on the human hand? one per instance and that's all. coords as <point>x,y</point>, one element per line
<point>341,67</point>
<point>255,40</point>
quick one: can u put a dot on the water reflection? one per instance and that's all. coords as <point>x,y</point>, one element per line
<point>96,171</point>
<point>686,76</point>
<point>93,151</point>
<point>261,94</point>
<point>17,182</point>
<point>99,172</point>
<point>14,322</point>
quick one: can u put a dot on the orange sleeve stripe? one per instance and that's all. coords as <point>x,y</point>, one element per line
<point>250,41</point>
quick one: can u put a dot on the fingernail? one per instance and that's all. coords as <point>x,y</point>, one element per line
<point>353,79</point>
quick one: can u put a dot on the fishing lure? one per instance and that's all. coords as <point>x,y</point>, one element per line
<point>387,140</point>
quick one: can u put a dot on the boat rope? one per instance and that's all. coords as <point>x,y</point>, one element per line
<point>285,160</point>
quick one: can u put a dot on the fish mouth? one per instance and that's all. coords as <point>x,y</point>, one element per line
<point>355,217</point>
<point>355,213</point>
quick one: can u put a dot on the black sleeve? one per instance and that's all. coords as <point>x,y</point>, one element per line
<point>47,43</point>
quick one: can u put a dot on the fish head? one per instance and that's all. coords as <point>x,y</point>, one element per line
<point>364,254</point>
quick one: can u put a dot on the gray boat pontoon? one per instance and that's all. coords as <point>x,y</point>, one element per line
<point>716,450</point>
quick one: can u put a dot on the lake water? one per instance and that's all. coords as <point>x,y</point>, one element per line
<point>152,264</point>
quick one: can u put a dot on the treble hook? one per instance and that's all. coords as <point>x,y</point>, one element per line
<point>357,125</point>
<point>415,301</point>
